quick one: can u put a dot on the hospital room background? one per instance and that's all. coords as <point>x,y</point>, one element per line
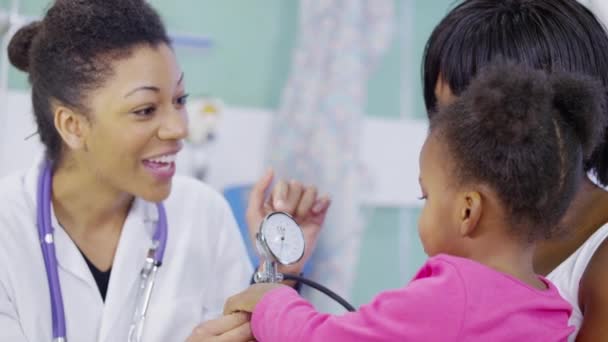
<point>327,92</point>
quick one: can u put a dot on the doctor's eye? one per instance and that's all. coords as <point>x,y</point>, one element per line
<point>182,100</point>
<point>145,111</point>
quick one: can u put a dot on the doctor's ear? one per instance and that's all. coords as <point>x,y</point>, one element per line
<point>71,126</point>
<point>470,212</point>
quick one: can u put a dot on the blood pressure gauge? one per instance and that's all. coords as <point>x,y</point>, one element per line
<point>281,240</point>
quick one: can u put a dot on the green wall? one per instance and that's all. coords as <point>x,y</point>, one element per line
<point>248,63</point>
<point>415,21</point>
<point>253,41</point>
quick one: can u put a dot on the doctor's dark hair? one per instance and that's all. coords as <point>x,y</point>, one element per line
<point>69,53</point>
<point>552,35</point>
<point>524,133</point>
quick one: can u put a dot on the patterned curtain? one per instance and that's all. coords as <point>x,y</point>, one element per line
<point>315,135</point>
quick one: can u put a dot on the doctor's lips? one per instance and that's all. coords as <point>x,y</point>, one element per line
<point>162,167</point>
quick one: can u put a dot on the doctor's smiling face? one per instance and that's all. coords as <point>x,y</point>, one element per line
<point>137,119</point>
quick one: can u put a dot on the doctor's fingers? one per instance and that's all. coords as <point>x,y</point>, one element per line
<point>286,196</point>
<point>278,196</point>
<point>321,205</point>
<point>218,326</point>
<point>258,192</point>
<point>307,200</point>
<point>242,333</point>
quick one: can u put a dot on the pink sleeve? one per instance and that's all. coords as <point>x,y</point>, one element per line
<point>431,307</point>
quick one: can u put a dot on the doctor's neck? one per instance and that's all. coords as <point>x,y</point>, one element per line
<point>85,204</point>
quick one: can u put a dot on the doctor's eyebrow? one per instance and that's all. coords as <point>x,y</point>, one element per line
<point>152,88</point>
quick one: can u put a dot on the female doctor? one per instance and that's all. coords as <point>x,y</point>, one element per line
<point>77,228</point>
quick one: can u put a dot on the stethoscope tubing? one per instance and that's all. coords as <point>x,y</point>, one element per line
<point>45,231</point>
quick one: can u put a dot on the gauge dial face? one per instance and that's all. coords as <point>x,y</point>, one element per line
<point>283,237</point>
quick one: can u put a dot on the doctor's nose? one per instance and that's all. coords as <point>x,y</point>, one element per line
<point>174,126</point>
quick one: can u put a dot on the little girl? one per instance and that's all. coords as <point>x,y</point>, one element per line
<point>497,171</point>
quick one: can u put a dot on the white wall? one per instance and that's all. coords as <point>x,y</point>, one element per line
<point>17,123</point>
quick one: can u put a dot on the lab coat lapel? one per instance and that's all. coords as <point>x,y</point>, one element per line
<point>69,257</point>
<point>135,239</point>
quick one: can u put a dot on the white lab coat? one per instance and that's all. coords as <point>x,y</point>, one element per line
<point>205,262</point>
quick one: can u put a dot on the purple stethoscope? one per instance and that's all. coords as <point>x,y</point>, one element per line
<point>153,261</point>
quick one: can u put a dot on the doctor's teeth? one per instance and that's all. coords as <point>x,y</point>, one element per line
<point>170,158</point>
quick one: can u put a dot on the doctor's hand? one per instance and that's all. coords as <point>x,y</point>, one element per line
<point>248,299</point>
<point>299,201</point>
<point>230,328</point>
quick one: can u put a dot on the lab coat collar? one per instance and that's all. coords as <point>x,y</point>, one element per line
<point>135,239</point>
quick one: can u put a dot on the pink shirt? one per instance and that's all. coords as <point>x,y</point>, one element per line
<point>450,299</point>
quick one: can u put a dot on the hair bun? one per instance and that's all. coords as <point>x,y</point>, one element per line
<point>581,103</point>
<point>20,44</point>
<point>510,101</point>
